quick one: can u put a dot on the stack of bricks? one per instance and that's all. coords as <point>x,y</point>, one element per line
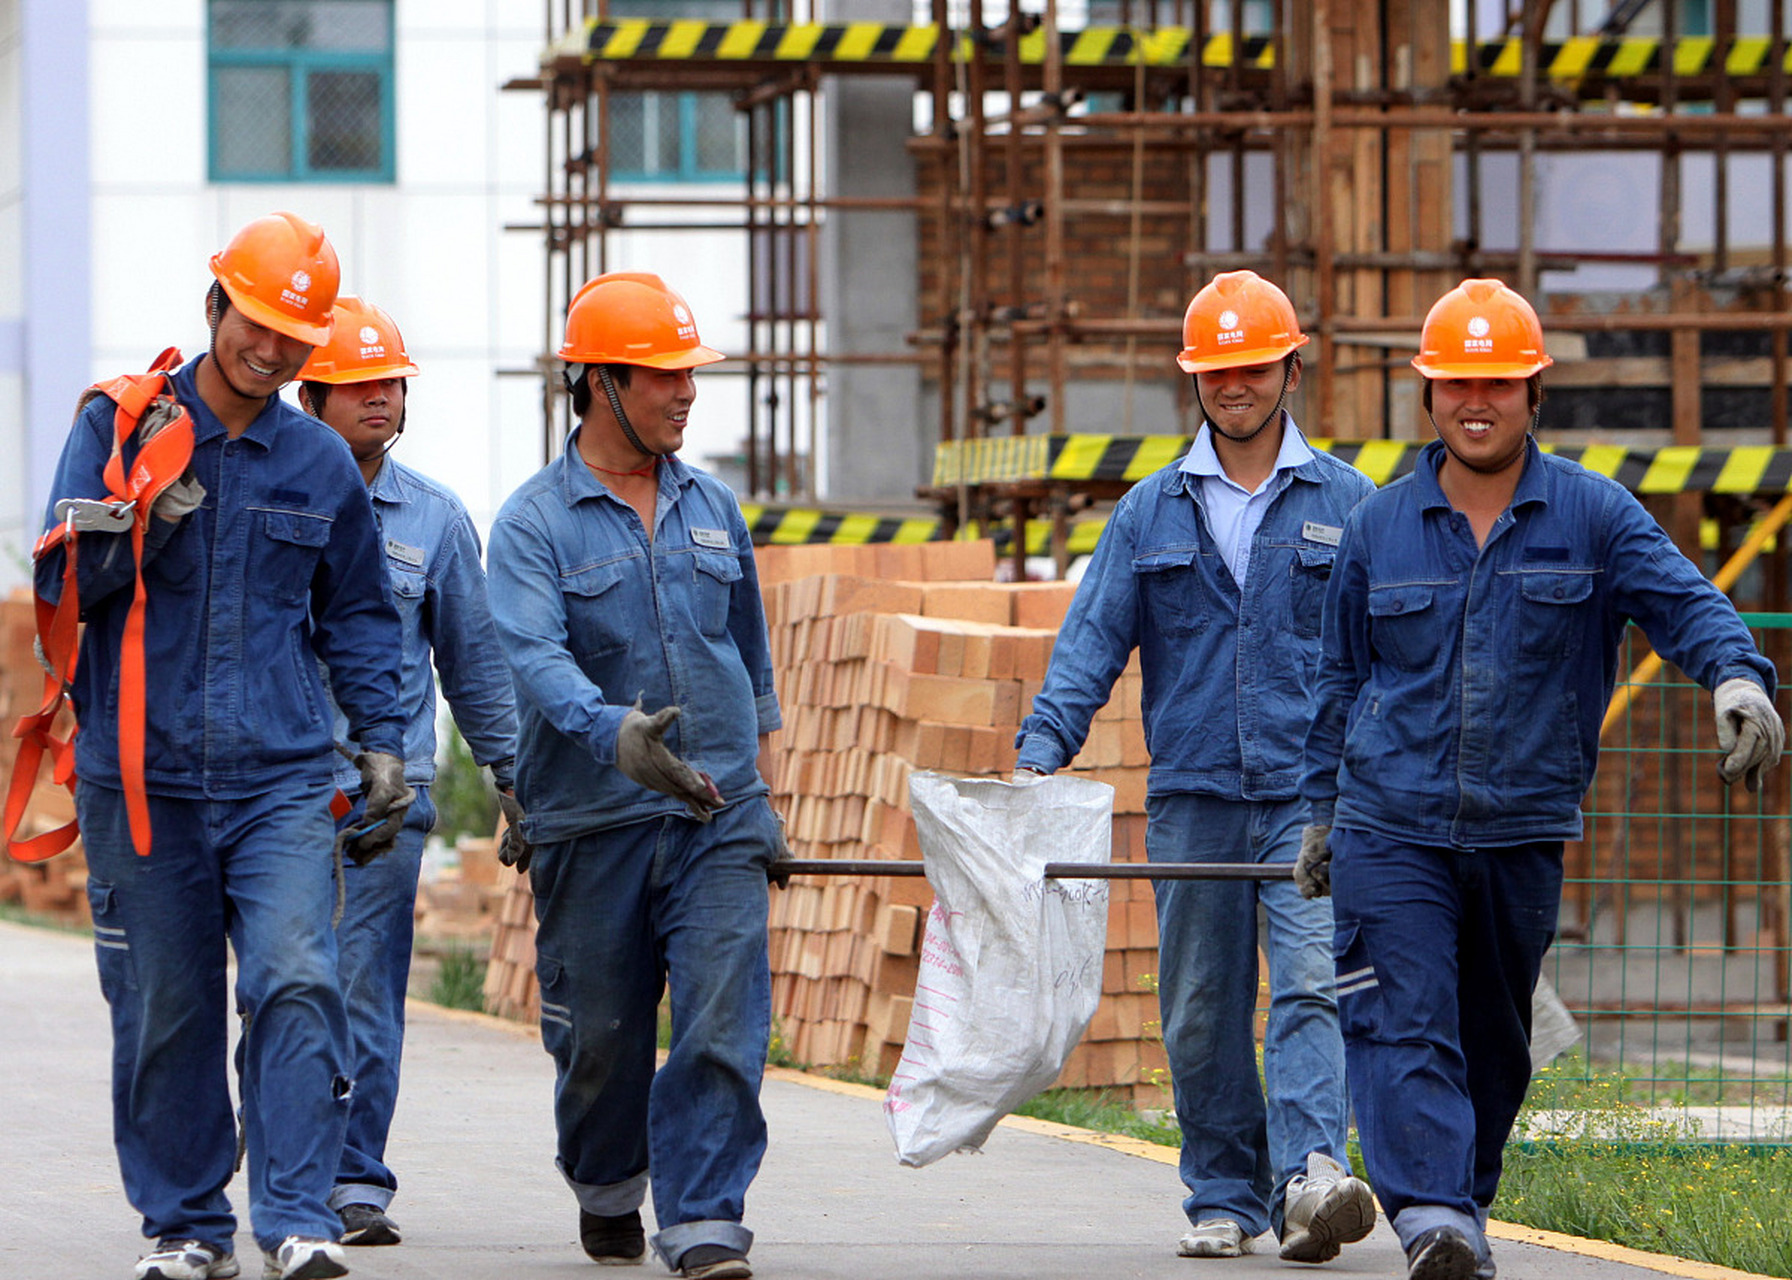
<point>890,659</point>
<point>57,888</point>
<point>896,658</point>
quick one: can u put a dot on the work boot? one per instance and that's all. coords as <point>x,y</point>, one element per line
<point>304,1258</point>
<point>617,1241</point>
<point>1324,1209</point>
<point>176,1259</point>
<point>713,1262</point>
<point>1442,1253</point>
<point>1215,1238</point>
<point>367,1224</point>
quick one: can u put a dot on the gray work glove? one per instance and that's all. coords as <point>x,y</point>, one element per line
<point>642,755</point>
<point>778,869</point>
<point>514,849</point>
<point>179,499</point>
<point>388,798</point>
<point>1749,732</point>
<point>1313,868</point>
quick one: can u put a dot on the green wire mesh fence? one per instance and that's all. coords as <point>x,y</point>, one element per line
<point>1672,956</point>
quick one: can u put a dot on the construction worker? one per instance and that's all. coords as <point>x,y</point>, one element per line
<point>1471,641</point>
<point>1213,569</point>
<point>260,560</point>
<point>357,385</point>
<point>622,577</point>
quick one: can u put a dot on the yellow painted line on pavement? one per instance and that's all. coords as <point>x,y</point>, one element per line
<point>1667,1264</point>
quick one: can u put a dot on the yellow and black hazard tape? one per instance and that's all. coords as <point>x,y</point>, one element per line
<point>693,40</point>
<point>792,526</point>
<point>1671,469</point>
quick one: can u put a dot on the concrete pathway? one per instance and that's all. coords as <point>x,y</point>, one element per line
<point>481,1199</point>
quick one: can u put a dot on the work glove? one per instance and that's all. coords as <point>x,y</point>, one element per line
<point>183,497</point>
<point>514,849</point>
<point>1313,868</point>
<point>1749,732</point>
<point>388,798</point>
<point>642,755</point>
<point>179,499</point>
<point>778,869</point>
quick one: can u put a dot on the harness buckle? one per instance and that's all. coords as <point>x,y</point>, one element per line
<point>96,515</point>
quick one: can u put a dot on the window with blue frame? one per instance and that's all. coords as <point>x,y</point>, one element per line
<point>300,90</point>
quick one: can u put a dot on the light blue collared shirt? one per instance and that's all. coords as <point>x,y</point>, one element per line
<point>1234,512</point>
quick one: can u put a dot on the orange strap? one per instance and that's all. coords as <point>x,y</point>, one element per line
<point>159,463</point>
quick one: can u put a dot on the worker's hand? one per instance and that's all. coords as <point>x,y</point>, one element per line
<point>514,849</point>
<point>388,799</point>
<point>179,499</point>
<point>642,755</point>
<point>1313,868</point>
<point>1749,732</point>
<point>1024,776</point>
<point>778,869</point>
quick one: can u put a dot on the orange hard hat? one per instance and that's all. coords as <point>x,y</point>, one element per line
<point>365,347</point>
<point>1481,329</point>
<point>632,317</point>
<point>1238,319</point>
<point>281,272</point>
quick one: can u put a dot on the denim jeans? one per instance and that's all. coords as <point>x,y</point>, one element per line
<point>373,963</point>
<point>1438,955</point>
<point>1237,1152</point>
<point>623,911</point>
<point>257,871</point>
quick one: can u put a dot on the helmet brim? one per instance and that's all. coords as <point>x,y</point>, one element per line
<point>346,377</point>
<point>314,334</point>
<point>1487,369</point>
<point>1190,363</point>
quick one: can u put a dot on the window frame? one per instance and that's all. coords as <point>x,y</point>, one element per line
<point>300,64</point>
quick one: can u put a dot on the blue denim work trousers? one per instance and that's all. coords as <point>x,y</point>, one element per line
<point>624,913</point>
<point>258,872</point>
<point>1238,1152</point>
<point>373,964</point>
<point>1438,955</point>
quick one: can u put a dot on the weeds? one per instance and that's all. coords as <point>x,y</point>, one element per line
<point>460,982</point>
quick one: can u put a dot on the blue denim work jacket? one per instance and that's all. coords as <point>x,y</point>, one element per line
<point>278,568</point>
<point>594,615</point>
<point>1228,673</point>
<point>1462,689</point>
<point>437,583</point>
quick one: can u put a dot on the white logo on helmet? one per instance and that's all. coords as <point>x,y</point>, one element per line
<point>1228,319</point>
<point>369,334</point>
<point>1477,340</point>
<point>1478,326</point>
<point>1229,332</point>
<point>687,325</point>
<point>301,281</point>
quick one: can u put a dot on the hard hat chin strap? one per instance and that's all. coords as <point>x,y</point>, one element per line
<point>1274,415</point>
<point>628,430</point>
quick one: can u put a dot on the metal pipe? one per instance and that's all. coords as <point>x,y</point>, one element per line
<point>1053,870</point>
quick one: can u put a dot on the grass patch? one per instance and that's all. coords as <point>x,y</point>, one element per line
<point>1101,1110</point>
<point>460,982</point>
<point>13,913</point>
<point>1720,1204</point>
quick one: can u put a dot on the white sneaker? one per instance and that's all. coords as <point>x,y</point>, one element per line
<point>176,1259</point>
<point>305,1258</point>
<point>1215,1238</point>
<point>1324,1210</point>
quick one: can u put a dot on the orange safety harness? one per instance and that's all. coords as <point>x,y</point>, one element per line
<point>162,457</point>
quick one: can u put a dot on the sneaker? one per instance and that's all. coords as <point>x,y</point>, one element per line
<point>1324,1209</point>
<point>304,1258</point>
<point>368,1224</point>
<point>176,1259</point>
<point>1442,1253</point>
<point>713,1262</point>
<point>613,1242</point>
<point>1215,1238</point>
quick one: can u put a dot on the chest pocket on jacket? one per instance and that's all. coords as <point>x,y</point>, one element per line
<point>286,555</point>
<point>715,575</point>
<point>408,590</point>
<point>1403,624</point>
<point>1549,616</point>
<point>1311,573</point>
<point>1171,593</point>
<point>595,624</point>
